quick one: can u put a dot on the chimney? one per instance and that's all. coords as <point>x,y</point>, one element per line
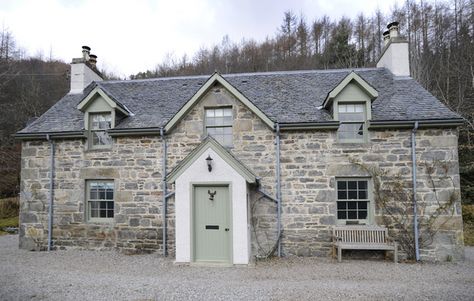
<point>395,56</point>
<point>84,71</point>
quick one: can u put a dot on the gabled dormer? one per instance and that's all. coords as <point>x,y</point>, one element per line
<point>350,103</point>
<point>101,113</point>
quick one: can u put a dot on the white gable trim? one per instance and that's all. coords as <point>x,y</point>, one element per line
<point>216,77</point>
<point>211,143</point>
<point>371,92</point>
<point>82,106</point>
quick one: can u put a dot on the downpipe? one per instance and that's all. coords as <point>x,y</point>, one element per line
<point>51,193</point>
<point>165,193</point>
<point>415,213</point>
<point>278,183</point>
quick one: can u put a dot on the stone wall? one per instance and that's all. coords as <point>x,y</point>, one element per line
<point>312,160</point>
<point>310,163</point>
<point>134,164</point>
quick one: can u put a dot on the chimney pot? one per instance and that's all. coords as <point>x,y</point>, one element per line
<point>93,60</point>
<point>386,37</point>
<point>85,52</point>
<point>393,29</point>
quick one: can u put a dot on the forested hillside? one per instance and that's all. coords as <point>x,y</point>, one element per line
<point>441,36</point>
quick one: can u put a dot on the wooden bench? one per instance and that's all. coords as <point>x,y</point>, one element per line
<point>363,238</point>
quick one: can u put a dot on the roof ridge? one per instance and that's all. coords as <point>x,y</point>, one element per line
<point>262,73</point>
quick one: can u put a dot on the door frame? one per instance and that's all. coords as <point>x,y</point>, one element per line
<point>192,186</point>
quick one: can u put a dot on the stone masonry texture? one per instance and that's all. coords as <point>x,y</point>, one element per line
<point>311,161</point>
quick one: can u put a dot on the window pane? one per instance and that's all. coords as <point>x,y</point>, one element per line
<point>352,205</point>
<point>359,108</point>
<point>342,195</point>
<point>93,194</point>
<point>94,213</point>
<point>341,185</point>
<point>363,214</point>
<point>228,112</point>
<point>341,215</point>
<point>103,205</point>
<point>352,184</point>
<point>94,205</point>
<point>362,195</point>
<point>219,121</point>
<point>219,112</point>
<point>362,205</point>
<point>110,195</point>
<point>210,113</point>
<point>341,205</point>
<point>110,205</point>
<point>110,213</point>
<point>342,108</point>
<point>362,184</point>
<point>352,195</point>
<point>352,214</point>
<point>103,213</point>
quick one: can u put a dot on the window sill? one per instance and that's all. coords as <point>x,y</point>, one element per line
<point>101,221</point>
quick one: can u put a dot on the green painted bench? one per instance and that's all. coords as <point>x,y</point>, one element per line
<point>363,238</point>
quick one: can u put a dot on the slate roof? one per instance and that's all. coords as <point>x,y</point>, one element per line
<point>285,97</point>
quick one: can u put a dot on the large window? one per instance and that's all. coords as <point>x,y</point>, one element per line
<point>352,118</point>
<point>219,125</point>
<point>100,200</point>
<point>99,123</point>
<point>353,203</point>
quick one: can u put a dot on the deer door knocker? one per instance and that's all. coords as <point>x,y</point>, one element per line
<point>211,195</point>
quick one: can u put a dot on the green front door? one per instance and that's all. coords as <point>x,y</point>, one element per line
<point>211,227</point>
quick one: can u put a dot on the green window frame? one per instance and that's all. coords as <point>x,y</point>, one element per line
<point>353,122</point>
<point>100,200</point>
<point>218,123</point>
<point>99,123</point>
<point>354,201</point>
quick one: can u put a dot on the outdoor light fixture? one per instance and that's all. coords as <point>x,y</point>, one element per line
<point>209,163</point>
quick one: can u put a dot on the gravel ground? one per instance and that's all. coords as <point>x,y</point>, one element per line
<point>90,275</point>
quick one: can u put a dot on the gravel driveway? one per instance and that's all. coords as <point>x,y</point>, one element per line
<point>90,275</point>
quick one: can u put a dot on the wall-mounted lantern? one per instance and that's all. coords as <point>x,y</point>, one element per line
<point>209,163</point>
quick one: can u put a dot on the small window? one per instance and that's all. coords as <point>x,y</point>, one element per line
<point>219,125</point>
<point>100,200</point>
<point>99,123</point>
<point>352,118</point>
<point>353,201</point>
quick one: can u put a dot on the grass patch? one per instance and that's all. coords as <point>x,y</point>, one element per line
<point>8,222</point>
<point>468,219</point>
<point>9,211</point>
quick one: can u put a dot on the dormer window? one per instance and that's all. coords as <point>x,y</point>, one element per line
<point>99,123</point>
<point>353,119</point>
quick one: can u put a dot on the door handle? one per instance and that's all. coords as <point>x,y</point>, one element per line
<point>226,229</point>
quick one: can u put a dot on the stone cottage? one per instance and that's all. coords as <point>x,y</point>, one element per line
<point>222,168</point>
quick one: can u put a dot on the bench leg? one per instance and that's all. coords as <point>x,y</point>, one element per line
<point>339,254</point>
<point>395,253</point>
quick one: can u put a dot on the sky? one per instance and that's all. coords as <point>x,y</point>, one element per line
<point>135,35</point>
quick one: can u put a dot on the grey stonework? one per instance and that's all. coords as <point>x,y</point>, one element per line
<point>310,163</point>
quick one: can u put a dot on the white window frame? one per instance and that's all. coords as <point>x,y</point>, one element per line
<point>370,201</point>
<point>363,121</point>
<point>92,130</point>
<point>224,125</point>
<point>106,200</point>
